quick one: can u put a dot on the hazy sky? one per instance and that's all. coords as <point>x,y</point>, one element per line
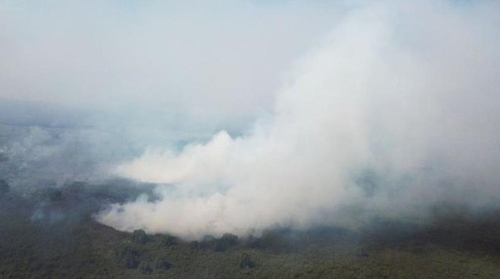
<point>215,61</point>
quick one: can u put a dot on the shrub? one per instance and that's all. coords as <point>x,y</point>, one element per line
<point>246,262</point>
<point>131,262</point>
<point>162,263</point>
<point>140,236</point>
<point>144,268</point>
<point>168,240</point>
<point>225,242</point>
<point>128,256</point>
<point>195,245</point>
<point>272,240</point>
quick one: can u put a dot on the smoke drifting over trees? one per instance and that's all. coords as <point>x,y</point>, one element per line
<point>249,116</point>
<point>394,113</point>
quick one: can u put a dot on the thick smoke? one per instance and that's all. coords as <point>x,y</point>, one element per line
<point>396,112</point>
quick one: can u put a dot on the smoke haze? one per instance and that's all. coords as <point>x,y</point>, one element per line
<point>195,65</point>
<point>371,110</point>
<point>394,113</point>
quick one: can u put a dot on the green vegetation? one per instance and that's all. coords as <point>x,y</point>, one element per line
<point>225,242</point>
<point>70,246</point>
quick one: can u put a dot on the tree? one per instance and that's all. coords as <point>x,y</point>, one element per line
<point>162,263</point>
<point>140,236</point>
<point>168,240</point>
<point>128,256</point>
<point>225,242</point>
<point>145,268</point>
<point>246,262</point>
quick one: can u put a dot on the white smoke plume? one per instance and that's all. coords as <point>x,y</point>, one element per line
<point>397,111</point>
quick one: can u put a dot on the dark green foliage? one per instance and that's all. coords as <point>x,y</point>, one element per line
<point>162,263</point>
<point>112,191</point>
<point>145,268</point>
<point>168,240</point>
<point>225,242</point>
<point>128,256</point>
<point>195,245</point>
<point>131,262</point>
<point>140,236</point>
<point>246,262</point>
<point>4,187</point>
<point>452,247</point>
<point>363,253</point>
<point>272,240</point>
